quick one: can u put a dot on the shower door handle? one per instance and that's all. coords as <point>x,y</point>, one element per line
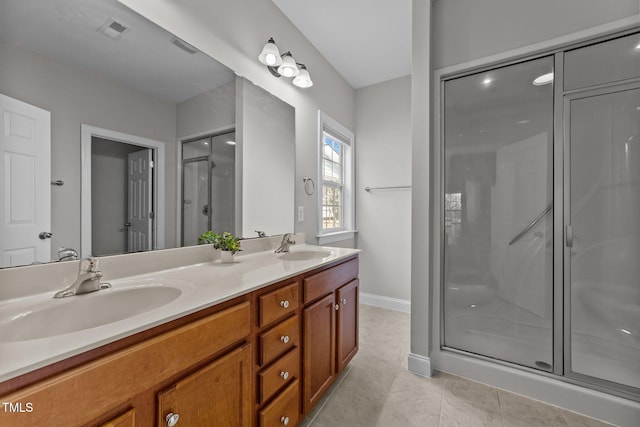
<point>569,236</point>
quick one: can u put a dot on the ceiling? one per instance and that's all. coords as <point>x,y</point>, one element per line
<point>366,41</point>
<point>143,59</point>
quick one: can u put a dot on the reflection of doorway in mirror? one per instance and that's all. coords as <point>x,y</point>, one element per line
<point>123,194</point>
<point>121,175</point>
<point>25,189</point>
<point>208,186</point>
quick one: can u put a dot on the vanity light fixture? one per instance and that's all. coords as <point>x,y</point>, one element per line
<point>284,65</point>
<point>543,79</point>
<point>303,79</point>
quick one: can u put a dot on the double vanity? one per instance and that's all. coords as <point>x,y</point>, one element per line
<point>179,338</point>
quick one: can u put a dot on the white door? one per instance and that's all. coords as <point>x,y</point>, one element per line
<point>140,225</point>
<point>25,183</point>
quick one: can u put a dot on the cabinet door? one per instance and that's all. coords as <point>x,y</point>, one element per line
<point>319,350</point>
<point>216,395</point>
<point>347,327</point>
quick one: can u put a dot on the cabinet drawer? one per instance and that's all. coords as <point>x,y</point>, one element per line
<point>283,371</point>
<point>329,280</point>
<point>279,339</point>
<point>278,303</point>
<point>284,410</point>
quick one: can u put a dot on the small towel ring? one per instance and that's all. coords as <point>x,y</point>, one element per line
<point>308,180</point>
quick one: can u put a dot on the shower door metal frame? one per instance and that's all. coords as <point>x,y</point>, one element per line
<point>561,217</point>
<point>606,386</point>
<point>439,204</point>
<point>206,159</point>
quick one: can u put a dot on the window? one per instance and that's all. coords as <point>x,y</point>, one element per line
<point>336,204</point>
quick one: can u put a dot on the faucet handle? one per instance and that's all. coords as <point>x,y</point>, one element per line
<point>89,264</point>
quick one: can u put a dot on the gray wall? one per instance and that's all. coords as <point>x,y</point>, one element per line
<point>469,29</point>
<point>208,112</point>
<point>75,96</point>
<point>383,129</point>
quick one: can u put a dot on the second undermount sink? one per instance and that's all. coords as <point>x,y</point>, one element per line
<point>305,255</point>
<point>62,316</point>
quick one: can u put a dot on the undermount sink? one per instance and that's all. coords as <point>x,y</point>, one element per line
<point>305,255</point>
<point>62,316</point>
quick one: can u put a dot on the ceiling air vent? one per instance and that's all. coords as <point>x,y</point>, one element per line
<point>113,29</point>
<point>184,45</point>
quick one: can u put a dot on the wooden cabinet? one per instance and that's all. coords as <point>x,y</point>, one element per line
<point>130,378</point>
<point>347,323</point>
<point>218,394</point>
<point>319,350</point>
<point>263,359</point>
<point>330,328</point>
<point>278,357</point>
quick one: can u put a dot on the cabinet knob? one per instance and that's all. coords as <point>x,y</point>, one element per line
<point>337,307</point>
<point>172,419</point>
<point>285,339</point>
<point>284,304</point>
<point>284,420</point>
<point>284,375</point>
<point>344,301</point>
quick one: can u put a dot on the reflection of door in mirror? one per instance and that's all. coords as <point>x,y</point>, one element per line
<point>121,174</point>
<point>208,186</point>
<point>25,190</point>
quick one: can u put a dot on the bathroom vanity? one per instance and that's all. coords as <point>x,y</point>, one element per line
<point>270,338</point>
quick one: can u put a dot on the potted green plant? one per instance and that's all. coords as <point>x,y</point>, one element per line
<point>228,244</point>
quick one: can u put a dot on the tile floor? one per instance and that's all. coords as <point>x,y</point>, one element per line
<point>376,390</point>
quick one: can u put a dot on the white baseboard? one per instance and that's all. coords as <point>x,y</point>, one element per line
<point>385,302</point>
<point>419,365</point>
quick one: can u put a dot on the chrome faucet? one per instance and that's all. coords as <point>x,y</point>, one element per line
<point>285,244</point>
<point>88,280</point>
<point>67,254</point>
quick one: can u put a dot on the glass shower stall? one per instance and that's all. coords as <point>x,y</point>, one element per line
<point>540,214</point>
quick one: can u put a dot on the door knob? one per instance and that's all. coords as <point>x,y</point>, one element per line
<point>344,301</point>
<point>284,339</point>
<point>284,375</point>
<point>172,419</point>
<point>45,235</point>
<point>127,224</point>
<point>284,420</point>
<point>337,307</point>
<point>284,304</point>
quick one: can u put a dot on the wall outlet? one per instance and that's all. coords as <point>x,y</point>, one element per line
<point>300,213</point>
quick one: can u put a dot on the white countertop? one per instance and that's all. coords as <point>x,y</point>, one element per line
<point>203,285</point>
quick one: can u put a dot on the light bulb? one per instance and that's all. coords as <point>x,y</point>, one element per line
<point>270,59</point>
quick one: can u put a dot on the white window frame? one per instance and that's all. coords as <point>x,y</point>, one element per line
<point>342,134</point>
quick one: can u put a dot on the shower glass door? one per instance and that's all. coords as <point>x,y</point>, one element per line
<point>604,236</point>
<point>498,214</point>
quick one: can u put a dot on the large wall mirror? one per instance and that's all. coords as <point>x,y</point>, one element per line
<point>118,137</point>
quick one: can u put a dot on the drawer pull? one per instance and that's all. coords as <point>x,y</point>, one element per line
<point>337,307</point>
<point>284,375</point>
<point>284,304</point>
<point>284,420</point>
<point>285,339</point>
<point>172,419</point>
<point>344,301</point>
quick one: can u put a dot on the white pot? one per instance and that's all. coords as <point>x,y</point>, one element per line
<point>226,257</point>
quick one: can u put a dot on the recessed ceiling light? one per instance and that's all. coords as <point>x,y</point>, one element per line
<point>231,142</point>
<point>487,81</point>
<point>625,331</point>
<point>523,122</point>
<point>638,46</point>
<point>472,305</point>
<point>544,79</point>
